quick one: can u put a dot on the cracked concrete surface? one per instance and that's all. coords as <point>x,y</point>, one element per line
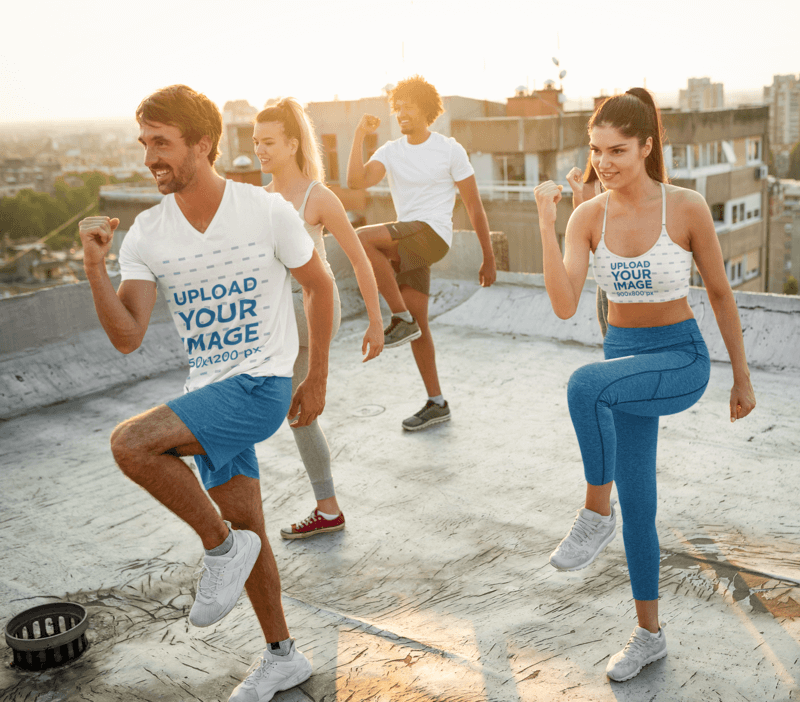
<point>439,589</point>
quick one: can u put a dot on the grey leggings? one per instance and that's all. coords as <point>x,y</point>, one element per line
<point>310,440</point>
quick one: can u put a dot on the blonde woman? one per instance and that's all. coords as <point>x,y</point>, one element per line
<point>284,142</point>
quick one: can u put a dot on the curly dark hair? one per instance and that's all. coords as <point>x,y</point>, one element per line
<point>191,112</point>
<point>417,90</point>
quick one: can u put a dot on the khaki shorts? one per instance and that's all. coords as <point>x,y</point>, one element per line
<point>419,247</point>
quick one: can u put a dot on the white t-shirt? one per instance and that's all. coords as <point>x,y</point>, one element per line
<point>422,179</point>
<point>228,289</point>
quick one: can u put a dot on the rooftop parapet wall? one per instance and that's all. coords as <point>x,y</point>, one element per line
<point>52,347</point>
<point>568,131</point>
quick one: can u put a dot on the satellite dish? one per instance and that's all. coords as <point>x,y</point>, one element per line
<point>562,74</point>
<point>555,60</point>
<point>242,162</point>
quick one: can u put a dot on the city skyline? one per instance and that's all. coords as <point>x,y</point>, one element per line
<point>317,51</point>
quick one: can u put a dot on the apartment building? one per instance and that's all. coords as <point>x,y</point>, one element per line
<point>719,153</point>
<point>783,99</point>
<point>701,94</point>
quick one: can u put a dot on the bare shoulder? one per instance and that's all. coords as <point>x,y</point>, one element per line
<point>589,212</point>
<point>321,198</point>
<point>685,199</point>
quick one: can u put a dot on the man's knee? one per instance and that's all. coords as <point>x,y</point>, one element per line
<point>124,446</point>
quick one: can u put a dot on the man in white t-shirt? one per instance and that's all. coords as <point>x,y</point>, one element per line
<point>424,169</point>
<point>221,253</point>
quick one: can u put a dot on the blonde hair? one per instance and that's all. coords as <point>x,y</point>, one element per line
<point>297,125</point>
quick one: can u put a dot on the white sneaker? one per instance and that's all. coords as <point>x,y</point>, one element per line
<point>271,674</point>
<point>223,577</point>
<point>589,535</point>
<point>643,647</point>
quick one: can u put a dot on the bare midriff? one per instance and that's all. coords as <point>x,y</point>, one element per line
<point>649,314</point>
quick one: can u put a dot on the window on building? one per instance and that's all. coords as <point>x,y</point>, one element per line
<point>330,158</point>
<point>734,267</point>
<point>741,212</point>
<point>734,214</point>
<point>696,156</point>
<point>718,212</point>
<point>753,264</point>
<point>754,150</point>
<point>728,150</point>
<point>679,156</point>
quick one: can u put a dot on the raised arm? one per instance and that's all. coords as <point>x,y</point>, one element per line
<point>309,398</point>
<point>711,266</point>
<point>563,278</point>
<point>468,188</point>
<point>359,174</point>
<point>333,216</point>
<point>581,192</point>
<point>124,313</point>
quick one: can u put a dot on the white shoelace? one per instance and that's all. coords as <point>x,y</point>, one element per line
<point>636,644</point>
<point>260,670</point>
<point>582,531</point>
<point>310,519</point>
<point>210,580</point>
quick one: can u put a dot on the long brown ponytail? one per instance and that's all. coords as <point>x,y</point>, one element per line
<point>635,114</point>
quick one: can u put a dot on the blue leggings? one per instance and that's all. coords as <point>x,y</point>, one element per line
<point>615,406</point>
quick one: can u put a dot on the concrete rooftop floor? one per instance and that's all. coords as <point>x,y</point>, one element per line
<point>439,589</point>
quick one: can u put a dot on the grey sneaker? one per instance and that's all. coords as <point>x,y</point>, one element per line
<point>399,332</point>
<point>430,414</point>
<point>589,535</point>
<point>642,648</point>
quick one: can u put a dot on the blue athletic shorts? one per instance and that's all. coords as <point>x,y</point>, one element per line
<point>228,418</point>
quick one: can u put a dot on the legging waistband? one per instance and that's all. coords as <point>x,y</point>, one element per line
<point>652,336</point>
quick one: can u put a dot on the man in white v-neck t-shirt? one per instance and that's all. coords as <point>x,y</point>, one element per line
<point>425,170</point>
<point>221,252</point>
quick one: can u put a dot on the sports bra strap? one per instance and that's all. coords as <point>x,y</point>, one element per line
<point>605,214</point>
<point>663,206</point>
<point>302,210</point>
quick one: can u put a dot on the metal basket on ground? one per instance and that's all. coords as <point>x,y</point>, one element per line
<point>48,635</point>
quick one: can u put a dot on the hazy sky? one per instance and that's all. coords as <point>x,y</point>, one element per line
<point>92,59</point>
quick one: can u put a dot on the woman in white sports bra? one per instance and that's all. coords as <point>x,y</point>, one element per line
<point>644,234</point>
<point>285,144</point>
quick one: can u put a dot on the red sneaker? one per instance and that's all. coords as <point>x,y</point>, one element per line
<point>313,524</point>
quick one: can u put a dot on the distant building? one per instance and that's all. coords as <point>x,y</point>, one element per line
<point>702,94</point>
<point>237,133</point>
<point>719,154</point>
<point>785,220</point>
<point>783,98</point>
<point>536,103</point>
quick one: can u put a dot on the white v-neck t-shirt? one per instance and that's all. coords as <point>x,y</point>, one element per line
<point>228,288</point>
<point>422,179</point>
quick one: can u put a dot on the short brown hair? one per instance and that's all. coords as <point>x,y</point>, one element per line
<point>417,90</point>
<point>191,112</point>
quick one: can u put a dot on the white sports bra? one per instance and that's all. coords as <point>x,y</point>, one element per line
<point>658,275</point>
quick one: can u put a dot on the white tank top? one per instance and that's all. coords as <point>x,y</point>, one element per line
<point>315,232</point>
<point>658,275</point>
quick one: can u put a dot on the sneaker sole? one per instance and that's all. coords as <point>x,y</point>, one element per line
<point>605,543</point>
<point>253,549</point>
<point>430,422</point>
<point>309,534</point>
<point>411,337</point>
<point>655,658</point>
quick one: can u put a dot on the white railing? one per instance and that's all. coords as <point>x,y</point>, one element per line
<point>492,190</point>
